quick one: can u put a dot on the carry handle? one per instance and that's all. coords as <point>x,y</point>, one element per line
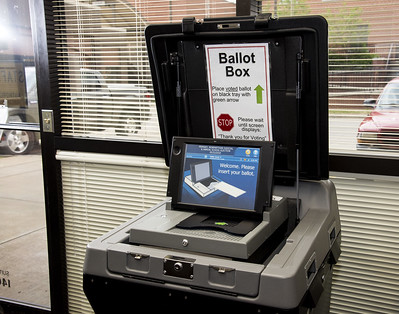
<point>258,21</point>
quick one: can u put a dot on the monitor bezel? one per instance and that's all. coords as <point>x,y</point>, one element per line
<point>265,174</point>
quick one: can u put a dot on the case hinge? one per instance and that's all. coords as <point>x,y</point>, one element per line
<point>188,25</point>
<point>262,20</point>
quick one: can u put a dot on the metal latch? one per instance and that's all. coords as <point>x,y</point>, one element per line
<point>138,257</point>
<point>228,26</point>
<point>222,270</point>
<point>48,121</point>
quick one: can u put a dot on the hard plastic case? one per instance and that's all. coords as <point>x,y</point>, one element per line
<point>295,276</point>
<point>298,83</point>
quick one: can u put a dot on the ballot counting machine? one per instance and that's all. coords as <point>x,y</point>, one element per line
<point>250,226</point>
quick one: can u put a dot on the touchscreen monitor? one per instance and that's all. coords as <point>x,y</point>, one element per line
<point>220,175</point>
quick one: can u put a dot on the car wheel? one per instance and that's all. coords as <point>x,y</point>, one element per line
<point>19,142</point>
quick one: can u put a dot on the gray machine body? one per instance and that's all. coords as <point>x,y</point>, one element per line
<point>157,227</point>
<point>148,250</point>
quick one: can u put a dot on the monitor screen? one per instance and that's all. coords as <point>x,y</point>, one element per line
<point>221,174</point>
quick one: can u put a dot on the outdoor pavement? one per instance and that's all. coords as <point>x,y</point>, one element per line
<point>23,240</point>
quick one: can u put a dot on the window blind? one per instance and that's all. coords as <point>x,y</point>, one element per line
<point>100,192</point>
<point>363,58</point>
<point>104,77</point>
<point>106,92</point>
<point>366,278</point>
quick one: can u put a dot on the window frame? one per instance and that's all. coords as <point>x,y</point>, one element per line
<point>48,93</point>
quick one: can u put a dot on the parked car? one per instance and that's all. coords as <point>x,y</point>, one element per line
<point>380,129</point>
<point>22,113</point>
<point>123,107</point>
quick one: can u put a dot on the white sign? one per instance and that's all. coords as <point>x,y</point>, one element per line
<point>239,91</point>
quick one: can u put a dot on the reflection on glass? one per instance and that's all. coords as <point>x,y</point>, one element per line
<point>19,109</point>
<point>23,241</point>
<point>18,96</point>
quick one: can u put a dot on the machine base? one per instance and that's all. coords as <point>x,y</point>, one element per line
<point>117,296</point>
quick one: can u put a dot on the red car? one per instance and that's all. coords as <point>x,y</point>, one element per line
<point>380,129</point>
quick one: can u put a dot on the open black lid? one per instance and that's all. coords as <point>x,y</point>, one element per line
<point>297,52</point>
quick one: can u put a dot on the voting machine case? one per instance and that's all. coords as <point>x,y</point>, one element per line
<point>291,269</point>
<point>298,73</point>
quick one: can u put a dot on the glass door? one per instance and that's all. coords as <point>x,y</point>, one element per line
<point>23,238</point>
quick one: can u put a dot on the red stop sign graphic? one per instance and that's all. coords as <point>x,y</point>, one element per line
<point>225,122</point>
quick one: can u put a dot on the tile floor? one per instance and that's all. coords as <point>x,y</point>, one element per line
<point>23,240</point>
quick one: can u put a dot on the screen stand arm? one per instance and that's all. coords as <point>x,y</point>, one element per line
<point>297,184</point>
<point>299,60</point>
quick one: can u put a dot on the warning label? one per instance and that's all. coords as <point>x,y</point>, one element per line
<point>238,78</point>
<point>225,122</point>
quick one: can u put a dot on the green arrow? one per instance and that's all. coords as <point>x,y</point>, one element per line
<point>259,90</point>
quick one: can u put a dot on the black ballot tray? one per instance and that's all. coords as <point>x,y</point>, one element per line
<point>250,78</point>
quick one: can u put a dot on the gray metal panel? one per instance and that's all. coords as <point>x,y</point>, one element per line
<point>207,271</point>
<point>158,228</point>
<point>283,281</point>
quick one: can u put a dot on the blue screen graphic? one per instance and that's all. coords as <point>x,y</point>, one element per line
<point>220,176</point>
